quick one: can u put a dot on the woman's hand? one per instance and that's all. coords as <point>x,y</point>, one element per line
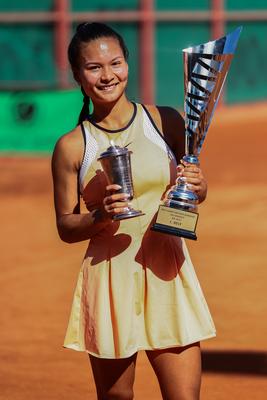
<point>192,175</point>
<point>115,203</point>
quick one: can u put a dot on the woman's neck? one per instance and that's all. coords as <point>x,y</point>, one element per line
<point>113,116</point>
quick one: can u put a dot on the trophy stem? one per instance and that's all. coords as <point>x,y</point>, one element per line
<point>191,159</point>
<point>182,197</point>
<point>131,213</point>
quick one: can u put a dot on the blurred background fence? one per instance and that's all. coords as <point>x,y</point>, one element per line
<point>39,100</point>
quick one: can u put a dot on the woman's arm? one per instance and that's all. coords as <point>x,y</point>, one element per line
<point>73,226</point>
<point>170,122</point>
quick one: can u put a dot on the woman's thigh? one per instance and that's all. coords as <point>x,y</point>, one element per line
<point>114,378</point>
<point>178,371</point>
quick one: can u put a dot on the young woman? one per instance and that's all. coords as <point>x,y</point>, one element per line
<point>137,289</point>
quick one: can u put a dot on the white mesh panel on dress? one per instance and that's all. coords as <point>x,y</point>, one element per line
<point>91,148</point>
<point>154,136</point>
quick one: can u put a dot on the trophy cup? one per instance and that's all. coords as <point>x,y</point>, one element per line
<point>116,164</point>
<point>205,70</point>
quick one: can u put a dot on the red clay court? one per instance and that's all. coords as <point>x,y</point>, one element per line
<point>39,273</point>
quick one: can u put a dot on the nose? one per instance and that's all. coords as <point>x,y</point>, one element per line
<point>107,74</point>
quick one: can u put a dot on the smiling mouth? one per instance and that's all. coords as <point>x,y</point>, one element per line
<point>107,88</point>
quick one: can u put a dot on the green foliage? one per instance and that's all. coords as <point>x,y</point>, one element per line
<point>104,5</point>
<point>171,39</point>
<point>245,4</point>
<point>26,5</point>
<point>33,121</point>
<point>182,4</point>
<point>27,56</point>
<point>247,79</point>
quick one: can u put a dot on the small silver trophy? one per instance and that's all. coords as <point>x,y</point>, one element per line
<point>205,70</point>
<point>116,164</point>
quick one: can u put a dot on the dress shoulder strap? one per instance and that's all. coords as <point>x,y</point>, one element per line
<point>153,133</point>
<point>90,151</point>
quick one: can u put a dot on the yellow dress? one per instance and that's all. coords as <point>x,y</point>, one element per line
<point>137,288</point>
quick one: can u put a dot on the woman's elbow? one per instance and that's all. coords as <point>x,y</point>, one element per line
<point>65,233</point>
<point>64,236</point>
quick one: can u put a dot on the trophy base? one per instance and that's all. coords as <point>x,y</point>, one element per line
<point>174,231</point>
<point>176,222</point>
<point>129,214</point>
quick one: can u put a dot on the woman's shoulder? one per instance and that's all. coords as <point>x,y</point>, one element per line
<point>72,139</point>
<point>170,123</point>
<point>156,110</point>
<point>70,146</point>
<point>167,119</point>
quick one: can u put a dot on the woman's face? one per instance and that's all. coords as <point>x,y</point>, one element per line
<point>103,70</point>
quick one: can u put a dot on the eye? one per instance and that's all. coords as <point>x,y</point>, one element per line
<point>92,67</point>
<point>115,63</point>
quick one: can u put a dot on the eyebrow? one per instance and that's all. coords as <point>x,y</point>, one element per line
<point>99,63</point>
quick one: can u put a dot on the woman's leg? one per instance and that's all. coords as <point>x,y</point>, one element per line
<point>178,371</point>
<point>114,378</point>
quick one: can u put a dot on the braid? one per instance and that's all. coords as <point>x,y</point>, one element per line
<point>85,108</point>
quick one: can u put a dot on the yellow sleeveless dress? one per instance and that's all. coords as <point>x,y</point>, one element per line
<point>137,289</point>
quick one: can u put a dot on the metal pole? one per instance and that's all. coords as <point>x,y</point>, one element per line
<point>61,40</point>
<point>146,46</point>
<point>217,18</point>
<point>135,16</point>
<point>217,31</point>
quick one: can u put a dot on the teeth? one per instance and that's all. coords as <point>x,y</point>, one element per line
<point>110,87</point>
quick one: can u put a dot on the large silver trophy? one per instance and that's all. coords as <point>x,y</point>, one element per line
<point>205,70</point>
<point>116,163</point>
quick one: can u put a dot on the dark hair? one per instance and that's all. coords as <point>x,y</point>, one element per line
<point>85,33</point>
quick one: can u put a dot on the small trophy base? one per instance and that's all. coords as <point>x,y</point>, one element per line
<point>176,222</point>
<point>129,214</point>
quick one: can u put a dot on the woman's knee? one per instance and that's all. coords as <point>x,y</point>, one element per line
<point>189,392</point>
<point>118,394</point>
<point>114,379</point>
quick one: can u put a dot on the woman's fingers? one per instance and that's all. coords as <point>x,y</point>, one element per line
<point>110,202</point>
<point>116,203</point>
<point>191,175</point>
<point>117,207</point>
<point>113,188</point>
<point>122,197</point>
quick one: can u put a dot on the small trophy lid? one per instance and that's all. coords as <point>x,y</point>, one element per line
<point>113,151</point>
